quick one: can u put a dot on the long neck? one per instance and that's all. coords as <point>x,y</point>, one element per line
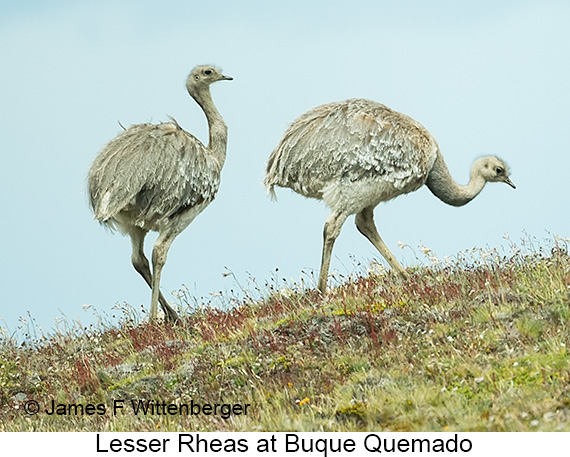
<point>218,140</point>
<point>447,190</point>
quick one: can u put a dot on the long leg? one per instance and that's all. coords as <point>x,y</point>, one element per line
<point>140,262</point>
<point>159,253</point>
<point>365,224</point>
<point>331,232</point>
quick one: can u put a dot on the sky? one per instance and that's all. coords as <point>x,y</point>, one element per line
<point>483,77</point>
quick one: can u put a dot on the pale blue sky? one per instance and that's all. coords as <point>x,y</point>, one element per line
<point>484,77</point>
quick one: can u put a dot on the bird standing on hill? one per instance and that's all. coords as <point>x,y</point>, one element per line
<point>357,153</point>
<point>159,177</point>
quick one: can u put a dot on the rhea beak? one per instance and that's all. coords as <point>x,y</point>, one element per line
<point>226,78</point>
<point>509,182</point>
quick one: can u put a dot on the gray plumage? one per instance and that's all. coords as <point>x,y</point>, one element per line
<point>159,177</point>
<point>357,153</point>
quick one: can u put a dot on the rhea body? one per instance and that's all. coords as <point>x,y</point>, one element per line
<point>158,177</point>
<point>357,153</point>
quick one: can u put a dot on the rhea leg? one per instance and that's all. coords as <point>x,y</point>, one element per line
<point>365,224</point>
<point>159,253</point>
<point>140,262</point>
<point>331,232</point>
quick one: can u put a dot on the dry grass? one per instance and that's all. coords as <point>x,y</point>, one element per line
<point>479,342</point>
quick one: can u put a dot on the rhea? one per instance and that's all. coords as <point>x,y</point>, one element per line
<point>159,177</point>
<point>357,153</point>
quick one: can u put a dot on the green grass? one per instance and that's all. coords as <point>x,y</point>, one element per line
<point>478,343</point>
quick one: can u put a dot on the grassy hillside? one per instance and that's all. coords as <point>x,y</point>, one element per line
<point>479,342</point>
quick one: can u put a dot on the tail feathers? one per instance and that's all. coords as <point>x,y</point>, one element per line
<point>271,193</point>
<point>270,188</point>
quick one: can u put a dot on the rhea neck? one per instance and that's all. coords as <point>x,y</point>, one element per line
<point>218,140</point>
<point>443,186</point>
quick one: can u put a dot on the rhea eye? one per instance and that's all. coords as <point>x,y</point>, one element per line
<point>499,171</point>
<point>196,77</point>
<point>208,72</point>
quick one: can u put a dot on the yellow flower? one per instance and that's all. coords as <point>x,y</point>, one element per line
<point>304,400</point>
